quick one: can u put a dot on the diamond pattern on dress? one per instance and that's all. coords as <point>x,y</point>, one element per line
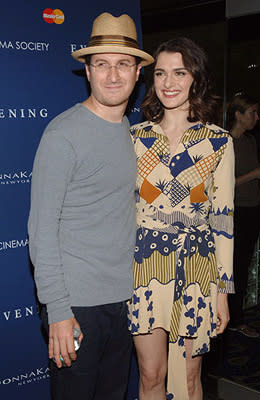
<point>206,166</point>
<point>175,191</point>
<point>147,163</point>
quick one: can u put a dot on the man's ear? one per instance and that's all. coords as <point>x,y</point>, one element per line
<point>87,71</point>
<point>138,69</point>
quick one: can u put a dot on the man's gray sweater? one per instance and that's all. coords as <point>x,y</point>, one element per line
<point>82,219</point>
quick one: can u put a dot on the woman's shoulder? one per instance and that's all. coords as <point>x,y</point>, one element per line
<point>217,130</point>
<point>210,131</point>
<point>142,127</point>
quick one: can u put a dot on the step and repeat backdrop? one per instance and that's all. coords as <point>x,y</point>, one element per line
<point>39,79</point>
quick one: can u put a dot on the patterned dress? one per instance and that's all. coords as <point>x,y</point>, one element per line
<point>184,245</point>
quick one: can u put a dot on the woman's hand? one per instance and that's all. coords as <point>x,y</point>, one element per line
<point>222,312</point>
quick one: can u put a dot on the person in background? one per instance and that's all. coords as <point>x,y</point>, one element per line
<point>242,117</point>
<point>184,244</point>
<point>82,220</point>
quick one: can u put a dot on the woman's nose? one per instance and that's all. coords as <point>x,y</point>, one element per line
<point>169,81</point>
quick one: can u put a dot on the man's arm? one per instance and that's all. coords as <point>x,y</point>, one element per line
<point>52,172</point>
<point>251,175</point>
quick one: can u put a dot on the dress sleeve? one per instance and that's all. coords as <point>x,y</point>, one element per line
<point>221,216</point>
<point>52,171</point>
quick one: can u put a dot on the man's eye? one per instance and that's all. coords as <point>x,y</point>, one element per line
<point>101,64</point>
<point>124,64</point>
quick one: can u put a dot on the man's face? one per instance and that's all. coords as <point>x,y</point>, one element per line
<point>112,78</point>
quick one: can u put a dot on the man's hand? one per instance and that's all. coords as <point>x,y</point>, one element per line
<point>222,312</point>
<point>61,341</point>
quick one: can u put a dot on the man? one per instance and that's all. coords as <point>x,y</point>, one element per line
<point>82,220</point>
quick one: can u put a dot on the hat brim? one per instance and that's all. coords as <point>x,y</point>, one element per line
<point>80,54</point>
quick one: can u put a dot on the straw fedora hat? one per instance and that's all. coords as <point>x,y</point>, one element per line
<point>113,35</point>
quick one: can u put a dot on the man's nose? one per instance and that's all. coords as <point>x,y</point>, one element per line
<point>113,72</point>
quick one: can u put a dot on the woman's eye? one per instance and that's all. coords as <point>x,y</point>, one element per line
<point>159,73</point>
<point>180,73</point>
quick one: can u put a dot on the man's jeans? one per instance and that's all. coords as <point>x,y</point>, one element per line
<point>102,366</point>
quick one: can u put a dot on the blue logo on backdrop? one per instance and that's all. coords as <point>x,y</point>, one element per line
<point>25,112</point>
<point>13,244</point>
<point>136,110</point>
<point>18,177</point>
<point>24,45</point>
<point>74,47</point>
<point>26,377</point>
<point>16,314</point>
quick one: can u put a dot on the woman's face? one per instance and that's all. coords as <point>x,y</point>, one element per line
<point>249,118</point>
<point>172,81</point>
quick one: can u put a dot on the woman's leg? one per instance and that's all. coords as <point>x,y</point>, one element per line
<point>152,359</point>
<point>193,372</point>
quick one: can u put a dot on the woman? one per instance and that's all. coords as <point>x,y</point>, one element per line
<point>183,256</point>
<point>242,117</point>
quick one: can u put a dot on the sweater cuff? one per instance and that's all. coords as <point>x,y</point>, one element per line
<point>59,310</point>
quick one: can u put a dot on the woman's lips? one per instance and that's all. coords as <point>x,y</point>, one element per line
<point>170,93</point>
